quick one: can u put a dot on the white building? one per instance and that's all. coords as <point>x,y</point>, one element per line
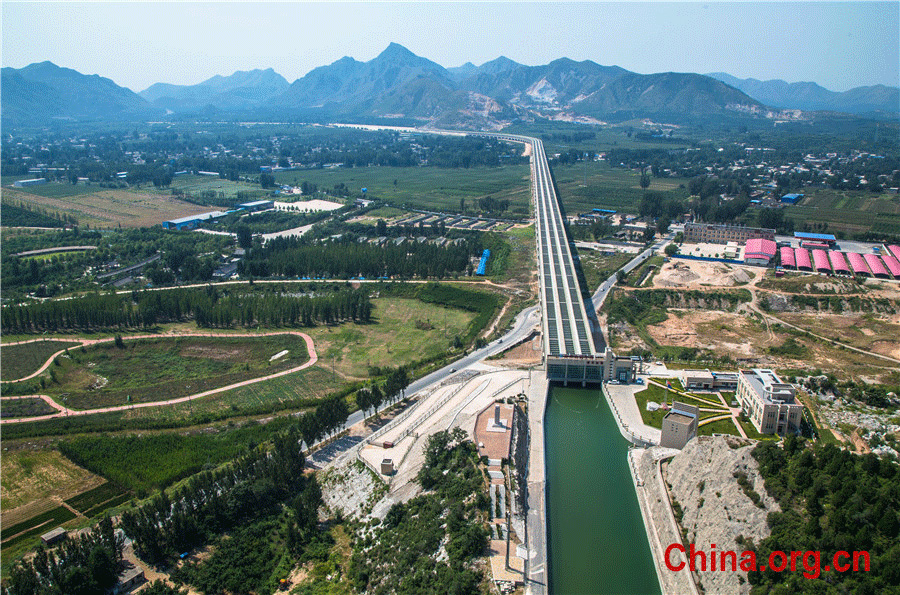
<point>769,403</point>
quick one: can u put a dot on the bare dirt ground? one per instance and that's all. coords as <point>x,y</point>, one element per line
<point>525,354</point>
<point>726,333</point>
<point>697,274</point>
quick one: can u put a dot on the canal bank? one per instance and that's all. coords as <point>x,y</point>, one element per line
<point>597,542</point>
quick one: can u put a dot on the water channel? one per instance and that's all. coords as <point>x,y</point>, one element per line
<point>597,542</point>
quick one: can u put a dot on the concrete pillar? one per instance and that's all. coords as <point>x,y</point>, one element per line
<point>497,415</point>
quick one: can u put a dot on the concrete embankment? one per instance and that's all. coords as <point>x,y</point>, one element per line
<point>659,521</point>
<point>620,399</point>
<point>536,521</point>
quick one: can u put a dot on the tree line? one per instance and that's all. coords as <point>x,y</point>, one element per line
<point>209,307</point>
<point>292,257</point>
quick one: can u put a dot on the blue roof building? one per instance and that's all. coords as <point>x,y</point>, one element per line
<point>792,198</point>
<point>816,237</point>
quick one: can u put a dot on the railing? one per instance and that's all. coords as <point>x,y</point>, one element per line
<point>623,428</point>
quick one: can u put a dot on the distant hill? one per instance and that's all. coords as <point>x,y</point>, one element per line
<point>399,86</point>
<point>43,92</point>
<point>397,83</point>
<point>242,90</point>
<point>812,97</point>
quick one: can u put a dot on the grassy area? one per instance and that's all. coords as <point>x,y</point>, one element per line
<point>28,407</point>
<point>29,476</point>
<point>723,426</point>
<point>405,330</point>
<point>751,432</point>
<point>166,368</point>
<point>809,284</point>
<point>659,394</point>
<point>145,463</point>
<point>427,187</point>
<point>196,185</point>
<point>597,267</point>
<point>643,275</point>
<point>60,189</point>
<point>21,360</point>
<point>607,187</point>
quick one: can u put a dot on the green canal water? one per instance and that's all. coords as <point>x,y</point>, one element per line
<point>597,543</point>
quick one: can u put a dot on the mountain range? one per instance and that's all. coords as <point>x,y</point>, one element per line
<point>812,97</point>
<point>399,84</point>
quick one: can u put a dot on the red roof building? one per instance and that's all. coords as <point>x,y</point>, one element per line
<point>759,251</point>
<point>801,257</point>
<point>895,251</point>
<point>892,264</point>
<point>876,266</point>
<point>858,264</point>
<point>787,257</point>
<point>838,262</point>
<point>820,259</point>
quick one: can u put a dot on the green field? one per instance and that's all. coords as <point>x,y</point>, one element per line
<point>25,408</point>
<point>607,187</point>
<point>841,210</point>
<point>597,267</point>
<point>145,463</point>
<point>427,187</point>
<point>405,330</point>
<point>197,184</point>
<point>658,394</point>
<point>19,361</point>
<point>723,426</point>
<point>61,190</point>
<point>167,368</point>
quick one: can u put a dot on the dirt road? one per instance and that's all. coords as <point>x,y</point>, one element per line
<point>64,411</point>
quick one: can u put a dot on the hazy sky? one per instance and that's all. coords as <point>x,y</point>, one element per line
<point>838,45</point>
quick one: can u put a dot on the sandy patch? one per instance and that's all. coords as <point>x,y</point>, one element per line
<point>695,274</point>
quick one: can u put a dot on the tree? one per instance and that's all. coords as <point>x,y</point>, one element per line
<point>662,225</point>
<point>267,180</point>
<point>671,249</point>
<point>244,236</point>
<point>381,227</point>
<point>645,180</point>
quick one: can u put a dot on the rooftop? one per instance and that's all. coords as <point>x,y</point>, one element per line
<point>768,385</point>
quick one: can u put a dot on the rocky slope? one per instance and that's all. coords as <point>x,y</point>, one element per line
<point>716,508</point>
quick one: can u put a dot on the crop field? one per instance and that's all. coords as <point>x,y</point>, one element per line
<point>110,208</point>
<point>21,360</point>
<point>166,368</point>
<point>26,407</point>
<point>59,189</point>
<point>405,330</point>
<point>29,476</point>
<point>95,501</point>
<point>431,188</point>
<point>607,187</point>
<point>842,209</point>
